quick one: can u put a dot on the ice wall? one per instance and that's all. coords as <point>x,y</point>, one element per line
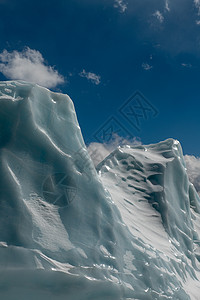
<point>63,235</point>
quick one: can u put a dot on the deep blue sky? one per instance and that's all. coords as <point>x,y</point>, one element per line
<point>148,46</point>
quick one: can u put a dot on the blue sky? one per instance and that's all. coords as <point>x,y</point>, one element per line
<point>111,54</point>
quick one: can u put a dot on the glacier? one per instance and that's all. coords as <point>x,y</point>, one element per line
<point>127,229</point>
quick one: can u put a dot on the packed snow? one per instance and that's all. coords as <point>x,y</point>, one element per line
<point>128,229</point>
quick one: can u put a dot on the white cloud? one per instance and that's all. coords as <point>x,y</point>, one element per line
<point>167,5</point>
<point>197,4</point>
<point>159,16</point>
<point>29,65</point>
<point>198,22</point>
<point>121,5</point>
<point>96,79</point>
<point>193,170</point>
<point>186,65</point>
<point>146,66</point>
<point>99,151</point>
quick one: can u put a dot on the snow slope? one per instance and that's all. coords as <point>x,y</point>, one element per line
<point>129,232</point>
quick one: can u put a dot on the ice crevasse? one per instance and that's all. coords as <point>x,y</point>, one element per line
<point>128,229</point>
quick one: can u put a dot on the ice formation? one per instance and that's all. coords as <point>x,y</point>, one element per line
<point>128,231</point>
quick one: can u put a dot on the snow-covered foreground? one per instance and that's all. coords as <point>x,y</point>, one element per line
<point>128,231</point>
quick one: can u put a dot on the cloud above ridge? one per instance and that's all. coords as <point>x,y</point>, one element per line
<point>29,65</point>
<point>99,151</point>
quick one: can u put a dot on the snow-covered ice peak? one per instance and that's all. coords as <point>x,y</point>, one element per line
<point>158,204</point>
<point>130,231</point>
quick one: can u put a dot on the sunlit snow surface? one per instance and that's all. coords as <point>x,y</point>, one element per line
<point>130,232</point>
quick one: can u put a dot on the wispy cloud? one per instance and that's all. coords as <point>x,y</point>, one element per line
<point>121,5</point>
<point>197,4</point>
<point>146,66</point>
<point>167,5</point>
<point>29,65</point>
<point>158,16</point>
<point>186,65</point>
<point>94,78</point>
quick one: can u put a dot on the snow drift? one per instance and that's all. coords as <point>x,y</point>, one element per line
<point>128,231</point>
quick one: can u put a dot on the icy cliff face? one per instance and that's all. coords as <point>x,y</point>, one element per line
<point>129,232</point>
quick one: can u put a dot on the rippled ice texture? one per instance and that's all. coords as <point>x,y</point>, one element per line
<point>129,232</point>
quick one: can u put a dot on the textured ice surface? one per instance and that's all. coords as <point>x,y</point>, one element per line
<point>66,232</point>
